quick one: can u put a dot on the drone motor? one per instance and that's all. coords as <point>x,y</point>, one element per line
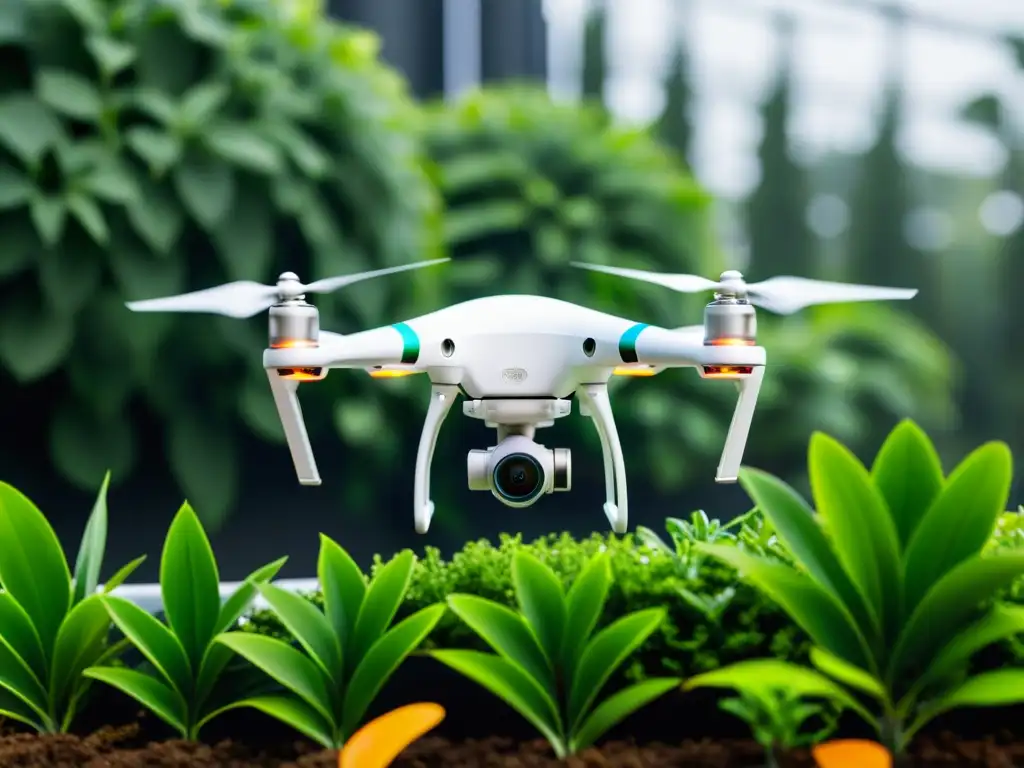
<point>295,322</point>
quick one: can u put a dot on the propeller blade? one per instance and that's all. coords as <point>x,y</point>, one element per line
<point>243,298</point>
<point>786,295</point>
<point>681,283</point>
<point>329,284</point>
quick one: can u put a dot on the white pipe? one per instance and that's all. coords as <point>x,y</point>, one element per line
<point>148,596</point>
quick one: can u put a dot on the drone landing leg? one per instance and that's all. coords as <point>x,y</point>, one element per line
<point>442,397</point>
<point>287,401</point>
<point>739,429</point>
<point>594,398</point>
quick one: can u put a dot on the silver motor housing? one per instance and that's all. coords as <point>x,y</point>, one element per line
<point>518,471</point>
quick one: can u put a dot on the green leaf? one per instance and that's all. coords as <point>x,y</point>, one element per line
<point>584,604</point>
<point>156,217</point>
<point>617,708</point>
<point>14,708</point>
<point>380,604</point>
<point>542,603</point>
<point>16,677</point>
<point>161,647</point>
<point>20,247</point>
<point>32,565</point>
<point>245,236</point>
<point>148,691</point>
<point>15,189</point>
<point>603,655</point>
<point>810,606</point>
<point>80,642</point>
<point>952,604</point>
<point>190,584</point>
<point>201,103</point>
<point>69,276</point>
<point>848,675</point>
<point>313,161</point>
<point>18,631</point>
<point>381,661</point>
<point>69,93</point>
<point>797,529</point>
<point>506,632</point>
<point>33,340</point>
<point>309,627</point>
<point>27,127</point>
<point>343,587</point>
<point>1000,688</point>
<point>284,664</point>
<point>13,24</point>
<point>112,181</point>
<point>463,226</point>
<point>159,149</point>
<point>512,685</point>
<point>156,104</point>
<point>206,188</point>
<point>49,215</point>
<point>961,520</point>
<point>292,712</point>
<point>88,214</point>
<point>122,574</point>
<point>88,13</point>
<point>862,531</point>
<point>111,55</point>
<point>999,623</point>
<point>240,146</point>
<point>908,472</point>
<point>90,551</point>
<point>240,599</point>
<point>84,447</point>
<point>204,460</point>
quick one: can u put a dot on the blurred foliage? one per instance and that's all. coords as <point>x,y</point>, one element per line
<point>594,72</point>
<point>149,147</point>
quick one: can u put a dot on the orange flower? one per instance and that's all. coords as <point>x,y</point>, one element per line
<point>851,753</point>
<point>380,741</point>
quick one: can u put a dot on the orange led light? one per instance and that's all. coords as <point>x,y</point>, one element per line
<point>391,373</point>
<point>727,371</point>
<point>625,370</point>
<point>727,342</point>
<point>292,344</point>
<point>301,374</point>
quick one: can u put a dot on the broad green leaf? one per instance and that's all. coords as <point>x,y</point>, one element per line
<point>49,215</point>
<point>111,55</point>
<point>21,246</point>
<point>88,214</point>
<point>245,237</point>
<point>343,587</point>
<point>34,339</point>
<point>148,691</point>
<point>239,145</point>
<point>542,603</point>
<point>69,275</point>
<point>847,674</point>
<point>90,551</point>
<point>88,13</point>
<point>69,93</point>
<point>302,150</point>
<point>796,527</point>
<point>381,661</point>
<point>80,643</point>
<point>15,189</point>
<point>290,711</point>
<point>999,688</point>
<point>812,608</point>
<point>961,519</point>
<point>122,574</point>
<point>18,631</point>
<point>190,584</point>
<point>240,599</point>
<point>206,187</point>
<point>463,226</point>
<point>999,623</point>
<point>617,708</point>
<point>584,604</point>
<point>84,446</point>
<point>156,217</point>
<point>159,149</point>
<point>18,678</point>
<point>289,667</point>
<point>27,127</point>
<point>32,565</point>
<point>13,23</point>
<point>204,461</point>
<point>908,473</point>
<point>201,102</point>
<point>513,686</point>
<point>383,596</point>
<point>112,181</point>
<point>951,604</point>
<point>153,640</point>
<point>14,708</point>
<point>507,633</point>
<point>862,531</point>
<point>604,654</point>
<point>308,626</point>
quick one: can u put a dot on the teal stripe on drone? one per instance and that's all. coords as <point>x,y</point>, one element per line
<point>627,344</point>
<point>410,343</point>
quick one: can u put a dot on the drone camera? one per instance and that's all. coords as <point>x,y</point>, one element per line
<point>730,322</point>
<point>518,471</point>
<point>293,324</point>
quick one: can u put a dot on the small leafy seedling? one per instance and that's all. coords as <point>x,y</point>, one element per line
<point>347,651</point>
<point>183,690</point>
<point>52,624</point>
<point>380,741</point>
<point>550,666</point>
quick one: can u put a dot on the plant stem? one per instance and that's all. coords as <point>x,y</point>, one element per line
<point>770,760</point>
<point>891,733</point>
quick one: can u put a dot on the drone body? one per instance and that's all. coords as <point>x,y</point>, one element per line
<point>517,361</point>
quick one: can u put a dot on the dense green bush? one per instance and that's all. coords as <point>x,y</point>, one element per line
<point>149,147</point>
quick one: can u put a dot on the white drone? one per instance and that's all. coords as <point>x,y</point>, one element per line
<point>518,360</point>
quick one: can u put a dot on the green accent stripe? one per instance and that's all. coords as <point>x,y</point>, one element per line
<point>410,343</point>
<point>627,344</point>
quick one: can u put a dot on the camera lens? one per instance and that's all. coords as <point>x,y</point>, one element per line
<point>518,477</point>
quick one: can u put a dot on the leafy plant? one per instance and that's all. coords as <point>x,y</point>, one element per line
<point>549,664</point>
<point>348,651</point>
<point>897,593</point>
<point>52,623</point>
<point>778,704</point>
<point>187,686</point>
<point>151,147</point>
<point>381,740</point>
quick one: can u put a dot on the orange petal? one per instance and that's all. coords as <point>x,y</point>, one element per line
<point>851,753</point>
<point>380,741</point>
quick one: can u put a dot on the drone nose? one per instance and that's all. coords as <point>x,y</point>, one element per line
<point>290,276</point>
<point>731,274</point>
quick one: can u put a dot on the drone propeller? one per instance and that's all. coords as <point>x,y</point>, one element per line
<point>781,295</point>
<point>245,298</point>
